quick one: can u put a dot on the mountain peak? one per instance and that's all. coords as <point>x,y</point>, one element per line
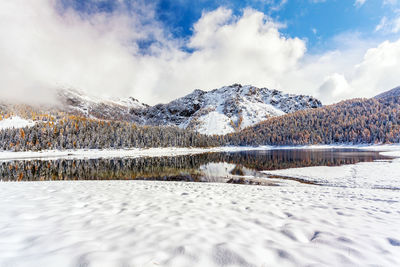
<point>227,109</point>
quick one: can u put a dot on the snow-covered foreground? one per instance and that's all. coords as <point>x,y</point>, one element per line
<point>137,223</point>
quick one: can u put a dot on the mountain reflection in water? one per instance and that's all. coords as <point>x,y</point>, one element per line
<point>207,167</point>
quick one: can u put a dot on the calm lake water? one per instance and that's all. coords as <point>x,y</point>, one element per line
<point>207,167</point>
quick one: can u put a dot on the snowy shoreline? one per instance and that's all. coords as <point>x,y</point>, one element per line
<point>380,174</point>
<point>172,151</point>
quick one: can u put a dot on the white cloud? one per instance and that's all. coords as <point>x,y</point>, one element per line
<point>43,48</point>
<point>279,5</point>
<point>389,26</point>
<point>334,86</point>
<point>239,49</point>
<point>378,71</point>
<point>389,2</point>
<point>396,25</point>
<point>359,2</point>
<point>382,24</point>
<point>349,75</point>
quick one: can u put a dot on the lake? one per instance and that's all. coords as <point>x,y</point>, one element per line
<point>232,167</point>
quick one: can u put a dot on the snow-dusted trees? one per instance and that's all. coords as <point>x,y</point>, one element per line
<point>353,121</point>
<point>75,132</point>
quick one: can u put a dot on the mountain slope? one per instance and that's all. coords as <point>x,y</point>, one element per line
<point>353,121</point>
<point>76,102</point>
<point>226,110</point>
<point>395,92</point>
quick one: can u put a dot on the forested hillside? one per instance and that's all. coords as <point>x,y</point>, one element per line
<point>76,132</point>
<point>353,121</point>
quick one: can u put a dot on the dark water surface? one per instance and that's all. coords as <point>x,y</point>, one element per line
<point>207,167</point>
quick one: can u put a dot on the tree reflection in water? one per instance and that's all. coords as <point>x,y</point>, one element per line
<point>194,168</point>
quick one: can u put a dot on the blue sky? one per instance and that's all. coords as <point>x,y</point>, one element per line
<point>316,21</point>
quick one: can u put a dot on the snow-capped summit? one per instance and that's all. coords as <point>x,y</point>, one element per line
<point>227,109</point>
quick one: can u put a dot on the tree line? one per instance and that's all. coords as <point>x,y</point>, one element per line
<point>74,132</point>
<point>356,121</point>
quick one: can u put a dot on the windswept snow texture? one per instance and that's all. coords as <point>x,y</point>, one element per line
<point>227,109</point>
<point>15,122</point>
<point>137,223</point>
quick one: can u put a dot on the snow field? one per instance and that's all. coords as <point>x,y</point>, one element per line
<point>139,223</point>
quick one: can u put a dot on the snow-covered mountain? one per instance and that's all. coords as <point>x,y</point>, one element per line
<point>227,109</point>
<point>76,102</point>
<point>220,111</point>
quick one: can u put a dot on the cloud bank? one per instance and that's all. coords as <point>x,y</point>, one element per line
<point>127,52</point>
